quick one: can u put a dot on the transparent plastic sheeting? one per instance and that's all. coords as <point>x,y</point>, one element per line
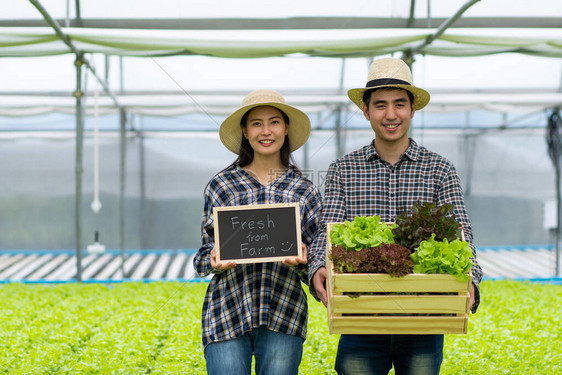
<point>507,177</point>
<point>38,41</point>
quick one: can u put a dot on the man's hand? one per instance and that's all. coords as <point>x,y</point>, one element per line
<point>319,282</point>
<point>295,261</point>
<point>221,266</point>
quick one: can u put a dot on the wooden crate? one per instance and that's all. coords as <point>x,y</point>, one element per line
<point>377,310</point>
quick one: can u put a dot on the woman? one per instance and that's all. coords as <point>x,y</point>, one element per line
<point>258,309</point>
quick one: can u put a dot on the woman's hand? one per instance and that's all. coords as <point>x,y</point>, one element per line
<point>295,261</point>
<point>221,266</point>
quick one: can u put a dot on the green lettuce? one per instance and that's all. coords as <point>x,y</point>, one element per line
<point>443,257</point>
<point>361,233</point>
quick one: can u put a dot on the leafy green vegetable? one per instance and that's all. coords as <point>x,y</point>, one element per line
<point>424,220</point>
<point>428,232</point>
<point>386,258</point>
<point>443,257</point>
<point>361,233</point>
<point>70,329</point>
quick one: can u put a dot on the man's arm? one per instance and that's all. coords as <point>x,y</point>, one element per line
<point>310,223</point>
<point>333,212</point>
<point>452,193</point>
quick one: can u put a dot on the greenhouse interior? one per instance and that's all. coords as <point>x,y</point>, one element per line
<point>109,119</point>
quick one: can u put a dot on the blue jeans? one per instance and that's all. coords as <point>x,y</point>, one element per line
<point>375,354</point>
<point>276,354</point>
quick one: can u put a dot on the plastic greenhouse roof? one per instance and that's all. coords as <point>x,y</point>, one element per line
<point>207,58</point>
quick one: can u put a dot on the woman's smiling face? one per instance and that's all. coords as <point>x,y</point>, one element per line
<point>265,130</point>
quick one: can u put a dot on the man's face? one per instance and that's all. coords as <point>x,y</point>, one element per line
<point>390,112</point>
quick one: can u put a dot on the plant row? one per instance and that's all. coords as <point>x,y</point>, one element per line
<point>138,328</point>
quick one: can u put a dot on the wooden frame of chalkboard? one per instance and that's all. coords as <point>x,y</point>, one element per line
<point>257,233</point>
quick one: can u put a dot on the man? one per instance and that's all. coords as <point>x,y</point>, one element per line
<point>386,178</point>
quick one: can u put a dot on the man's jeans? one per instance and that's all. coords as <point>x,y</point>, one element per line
<point>276,354</point>
<point>375,354</point>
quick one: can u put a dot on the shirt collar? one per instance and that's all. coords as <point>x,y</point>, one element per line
<point>370,152</point>
<point>412,153</point>
<point>279,178</point>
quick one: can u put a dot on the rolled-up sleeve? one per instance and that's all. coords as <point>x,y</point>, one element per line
<point>452,193</point>
<point>202,260</point>
<point>310,223</point>
<point>332,211</point>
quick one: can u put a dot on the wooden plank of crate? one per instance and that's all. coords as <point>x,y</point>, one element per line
<point>383,283</point>
<point>398,325</point>
<point>329,285</point>
<point>329,279</point>
<point>400,304</point>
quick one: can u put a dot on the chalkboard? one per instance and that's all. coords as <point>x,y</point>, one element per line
<point>257,233</point>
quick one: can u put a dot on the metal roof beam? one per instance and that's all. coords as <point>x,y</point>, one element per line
<point>294,23</point>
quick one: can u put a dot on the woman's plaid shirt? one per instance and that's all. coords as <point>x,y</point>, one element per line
<point>362,184</point>
<point>252,295</point>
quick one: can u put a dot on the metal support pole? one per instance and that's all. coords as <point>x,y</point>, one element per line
<point>121,78</point>
<point>444,26</point>
<point>558,217</point>
<point>142,220</point>
<point>468,157</point>
<point>106,70</point>
<point>554,142</point>
<point>339,147</point>
<point>558,204</point>
<point>408,58</point>
<point>67,19</point>
<point>428,13</point>
<point>78,14</point>
<point>78,94</point>
<point>412,11</point>
<point>340,140</point>
<point>122,154</point>
<point>557,159</point>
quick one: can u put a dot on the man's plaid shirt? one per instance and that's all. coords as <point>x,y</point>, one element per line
<point>251,295</point>
<point>362,184</point>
